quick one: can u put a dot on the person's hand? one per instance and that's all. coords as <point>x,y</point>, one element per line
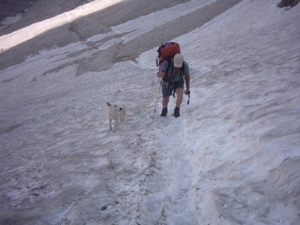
<point>160,74</point>
<point>187,91</point>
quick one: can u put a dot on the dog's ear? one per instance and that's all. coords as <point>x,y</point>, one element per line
<point>108,104</point>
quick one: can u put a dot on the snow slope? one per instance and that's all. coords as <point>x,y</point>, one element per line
<point>233,157</point>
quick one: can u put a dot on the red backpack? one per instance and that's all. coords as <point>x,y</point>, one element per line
<point>167,51</point>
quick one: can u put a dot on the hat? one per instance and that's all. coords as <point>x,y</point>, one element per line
<point>178,60</point>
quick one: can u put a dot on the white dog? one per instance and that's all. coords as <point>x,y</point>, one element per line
<point>115,112</point>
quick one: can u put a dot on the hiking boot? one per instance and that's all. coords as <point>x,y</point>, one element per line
<point>164,112</point>
<point>176,112</point>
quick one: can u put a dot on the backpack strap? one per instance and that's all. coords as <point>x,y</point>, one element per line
<point>182,70</point>
<point>169,65</point>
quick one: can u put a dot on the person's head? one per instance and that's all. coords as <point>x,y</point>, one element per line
<point>178,60</point>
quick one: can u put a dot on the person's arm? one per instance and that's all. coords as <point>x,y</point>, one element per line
<point>187,81</point>
<point>162,70</point>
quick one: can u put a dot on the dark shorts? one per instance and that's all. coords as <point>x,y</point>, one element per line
<point>167,88</point>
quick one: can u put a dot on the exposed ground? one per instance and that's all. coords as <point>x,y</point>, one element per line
<point>101,22</point>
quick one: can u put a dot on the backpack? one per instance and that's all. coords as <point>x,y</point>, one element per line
<point>167,51</point>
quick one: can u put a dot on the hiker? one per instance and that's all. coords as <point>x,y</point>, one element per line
<point>173,80</point>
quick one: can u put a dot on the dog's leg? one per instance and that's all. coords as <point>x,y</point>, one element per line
<point>122,115</point>
<point>116,124</point>
<point>110,127</point>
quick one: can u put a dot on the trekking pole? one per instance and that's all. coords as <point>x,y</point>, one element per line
<point>158,94</point>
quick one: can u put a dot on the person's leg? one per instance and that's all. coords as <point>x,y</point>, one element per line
<point>165,102</point>
<point>179,94</point>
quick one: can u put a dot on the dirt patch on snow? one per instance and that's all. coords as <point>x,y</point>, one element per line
<point>100,22</point>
